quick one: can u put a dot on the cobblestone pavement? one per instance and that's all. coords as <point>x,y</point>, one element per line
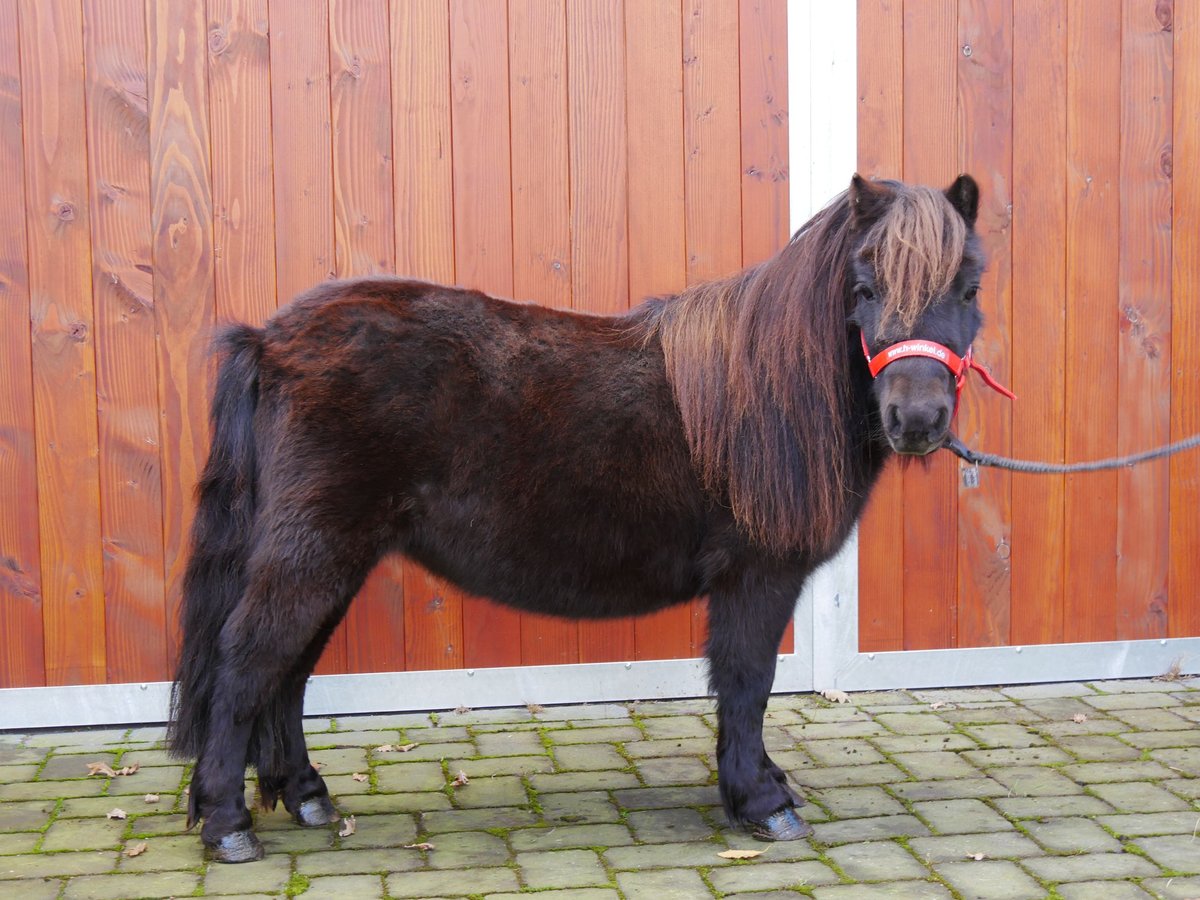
<point>1064,791</point>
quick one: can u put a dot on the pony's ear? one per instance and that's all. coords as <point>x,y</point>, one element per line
<point>964,196</point>
<point>868,199</point>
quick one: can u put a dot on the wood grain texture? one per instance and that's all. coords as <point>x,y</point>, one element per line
<point>421,150</point>
<point>1092,332</point>
<point>930,580</point>
<point>1184,610</point>
<point>881,155</point>
<point>657,250</point>
<point>126,375</point>
<point>762,38</point>
<point>433,621</point>
<point>364,232</point>
<point>483,243</point>
<point>181,224</point>
<point>22,651</point>
<point>239,114</point>
<point>1144,279</point>
<point>1038,331</point>
<point>599,209</point>
<point>541,216</point>
<point>986,112</point>
<point>64,368</point>
<point>302,133</point>
<point>712,138</point>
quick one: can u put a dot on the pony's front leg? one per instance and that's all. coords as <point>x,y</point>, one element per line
<point>746,624</point>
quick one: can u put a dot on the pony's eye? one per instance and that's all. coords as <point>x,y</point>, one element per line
<point>863,293</point>
<point>971,294</point>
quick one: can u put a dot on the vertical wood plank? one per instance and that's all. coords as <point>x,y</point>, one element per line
<point>763,104</point>
<point>127,395</point>
<point>598,138</point>
<point>1090,376</point>
<point>239,112</point>
<point>22,651</point>
<point>301,126</point>
<point>1144,380</point>
<point>986,113</point>
<point>181,222</point>
<point>423,208</point>
<point>1184,610</point>
<point>483,239</point>
<point>930,496</point>
<point>364,230</point>
<point>881,155</point>
<point>1038,334</point>
<point>657,250</point>
<point>64,368</point>
<point>541,217</point>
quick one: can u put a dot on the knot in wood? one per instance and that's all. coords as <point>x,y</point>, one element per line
<point>218,41</point>
<point>65,212</point>
<point>77,331</point>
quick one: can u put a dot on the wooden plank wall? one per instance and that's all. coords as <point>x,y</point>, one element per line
<point>177,165</point>
<point>1079,120</point>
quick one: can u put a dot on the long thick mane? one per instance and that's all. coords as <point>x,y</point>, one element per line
<point>758,363</point>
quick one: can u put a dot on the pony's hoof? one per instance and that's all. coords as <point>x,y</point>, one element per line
<point>237,847</point>
<point>316,811</point>
<point>784,825</point>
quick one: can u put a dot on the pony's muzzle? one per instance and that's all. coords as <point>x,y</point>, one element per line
<point>916,407</point>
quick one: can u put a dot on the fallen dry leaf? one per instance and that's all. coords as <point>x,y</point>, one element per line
<point>1079,718</point>
<point>137,849</point>
<point>359,776</point>
<point>977,856</point>
<point>116,813</point>
<point>129,769</point>
<point>835,696</point>
<point>318,766</point>
<point>460,779</point>
<point>424,845</point>
<point>348,827</point>
<point>535,708</point>
<point>407,748</point>
<point>740,854</point>
<point>938,704</point>
<point>100,768</point>
<point>385,748</point>
<point>462,709</point>
<point>151,798</point>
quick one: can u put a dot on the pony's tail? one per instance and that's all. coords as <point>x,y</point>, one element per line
<point>216,571</point>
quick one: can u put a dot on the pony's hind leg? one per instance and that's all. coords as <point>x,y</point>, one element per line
<point>746,623</point>
<point>299,582</point>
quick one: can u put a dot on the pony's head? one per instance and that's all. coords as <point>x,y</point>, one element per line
<point>915,277</point>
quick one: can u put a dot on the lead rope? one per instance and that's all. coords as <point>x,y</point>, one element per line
<point>975,458</point>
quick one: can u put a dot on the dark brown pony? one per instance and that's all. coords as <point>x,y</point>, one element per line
<point>721,442</point>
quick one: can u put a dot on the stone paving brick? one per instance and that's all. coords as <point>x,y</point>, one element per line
<point>503,790</point>
<point>960,816</point>
<point>663,884</point>
<point>675,727</point>
<point>583,781</point>
<point>1061,709</point>
<point>877,861</point>
<point>1155,719</point>
<point>665,856</point>
<point>935,765</point>
<point>1090,865</point>
<point>562,869</point>
<point>29,815</point>
<point>819,731</point>
<point>1178,852</point>
<point>991,714</point>
<point>1157,740</point>
<point>923,743</point>
<point>50,790</point>
<point>180,851</point>
<point>76,739</point>
<point>1096,773</point>
<point>570,894</point>
<point>610,734</point>
<point>1041,807</point>
<point>673,770</point>
<point>1182,761</point>
<point>433,753</point>
<point>503,765</point>
<point>1072,835</point>
<point>1173,888</point>
<point>1051,690</point>
<point>1184,787</point>
<point>589,757</point>
<point>440,884</point>
<point>837,713</point>
<point>122,887</point>
<point>40,865</point>
<point>1010,736</point>
<point>847,776</point>
<point>420,801</point>
<point>1095,724</point>
<point>510,743</point>
<point>342,761</point>
<point>656,826</point>
<point>1131,701</point>
<point>1138,797</point>
<point>19,842</point>
<point>1143,824</point>
<point>880,827</point>
<point>667,797</point>
<point>675,747</point>
<point>991,880</point>
<point>441,821</point>
<point>859,802</point>
<point>959,847</point>
<point>578,807</point>
<point>950,789</point>
<point>265,876</point>
<point>1109,890</point>
<point>83,834</point>
<point>900,890</point>
<point>468,849</point>
<point>1099,748</point>
<point>1025,756</point>
<point>438,734</point>
<point>29,889</point>
<point>341,887</point>
<point>1031,781</point>
<point>339,862</point>
<point>699,705</point>
<point>843,752</point>
<point>383,831</point>
<point>759,876</point>
<point>960,695</point>
<point>387,721</point>
<point>562,837</point>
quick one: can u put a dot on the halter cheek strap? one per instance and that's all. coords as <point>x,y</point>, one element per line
<point>958,365</point>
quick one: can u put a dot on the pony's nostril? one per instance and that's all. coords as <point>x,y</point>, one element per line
<point>940,421</point>
<point>894,426</point>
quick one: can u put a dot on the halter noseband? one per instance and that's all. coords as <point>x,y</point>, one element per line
<point>958,365</point>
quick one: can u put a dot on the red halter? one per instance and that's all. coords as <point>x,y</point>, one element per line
<point>958,365</point>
